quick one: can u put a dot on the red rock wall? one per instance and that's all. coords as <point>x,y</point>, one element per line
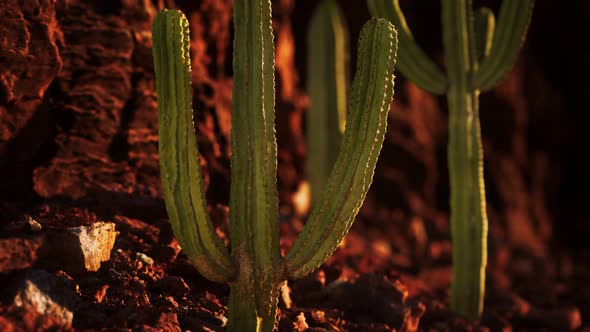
<point>78,113</point>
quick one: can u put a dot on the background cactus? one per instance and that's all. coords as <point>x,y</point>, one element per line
<point>327,87</point>
<point>255,268</point>
<point>478,53</point>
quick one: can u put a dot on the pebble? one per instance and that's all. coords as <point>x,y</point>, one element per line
<point>145,259</point>
<point>300,325</point>
<point>286,295</point>
<point>33,225</point>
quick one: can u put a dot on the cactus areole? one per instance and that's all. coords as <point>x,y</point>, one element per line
<point>253,266</point>
<point>478,54</point>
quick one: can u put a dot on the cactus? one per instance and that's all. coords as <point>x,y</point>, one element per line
<point>327,85</point>
<point>254,268</point>
<point>478,53</point>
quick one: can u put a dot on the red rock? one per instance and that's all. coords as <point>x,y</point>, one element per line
<point>100,293</point>
<point>168,322</point>
<point>6,325</point>
<point>83,248</point>
<point>50,296</point>
<point>300,325</point>
<point>19,252</point>
<point>412,317</point>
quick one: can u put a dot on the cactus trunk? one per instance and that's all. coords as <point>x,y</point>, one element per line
<point>243,314</point>
<point>465,159</point>
<point>468,215</point>
<point>253,197</point>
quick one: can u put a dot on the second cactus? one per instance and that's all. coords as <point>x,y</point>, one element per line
<point>478,53</point>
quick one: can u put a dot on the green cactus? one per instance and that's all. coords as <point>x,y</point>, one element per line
<point>254,268</point>
<point>327,85</point>
<point>478,53</point>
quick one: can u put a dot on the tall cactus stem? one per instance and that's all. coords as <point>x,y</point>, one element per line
<point>327,85</point>
<point>465,158</point>
<point>468,208</point>
<point>253,197</point>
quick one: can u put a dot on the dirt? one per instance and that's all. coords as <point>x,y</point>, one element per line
<point>78,146</point>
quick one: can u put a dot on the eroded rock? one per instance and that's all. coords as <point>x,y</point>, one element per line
<point>49,295</point>
<point>83,248</point>
<point>6,325</point>
<point>18,253</point>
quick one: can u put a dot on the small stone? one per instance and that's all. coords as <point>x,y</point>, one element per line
<point>300,325</point>
<point>83,248</point>
<point>33,225</point>
<point>145,259</point>
<point>318,316</point>
<point>48,295</point>
<point>24,224</point>
<point>171,302</point>
<point>100,293</point>
<point>412,317</point>
<point>222,319</point>
<point>286,295</point>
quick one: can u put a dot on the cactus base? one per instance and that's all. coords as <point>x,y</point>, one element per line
<point>243,314</point>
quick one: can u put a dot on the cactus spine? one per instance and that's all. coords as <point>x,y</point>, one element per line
<point>255,268</point>
<point>327,85</point>
<point>478,53</point>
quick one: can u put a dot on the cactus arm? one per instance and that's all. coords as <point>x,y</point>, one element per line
<point>456,41</point>
<point>327,85</point>
<point>484,25</point>
<point>513,22</point>
<point>465,157</point>
<point>253,196</point>
<point>182,182</point>
<point>351,177</point>
<point>412,61</point>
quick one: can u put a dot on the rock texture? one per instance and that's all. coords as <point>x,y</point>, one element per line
<point>30,61</point>
<point>49,295</point>
<point>19,252</point>
<point>82,248</point>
